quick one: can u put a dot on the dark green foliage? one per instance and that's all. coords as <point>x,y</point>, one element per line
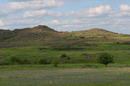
<point>63,56</point>
<point>42,48</point>
<point>68,58</point>
<point>56,62</point>
<point>43,61</point>
<point>117,42</point>
<point>82,37</point>
<point>15,60</point>
<point>105,59</point>
<point>25,61</point>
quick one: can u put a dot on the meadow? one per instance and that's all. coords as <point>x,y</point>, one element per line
<point>44,76</point>
<point>81,69</point>
<point>83,54</point>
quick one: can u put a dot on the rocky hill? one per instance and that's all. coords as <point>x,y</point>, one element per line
<point>44,36</point>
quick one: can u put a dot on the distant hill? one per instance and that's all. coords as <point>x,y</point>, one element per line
<point>97,32</point>
<point>43,35</point>
<point>27,36</point>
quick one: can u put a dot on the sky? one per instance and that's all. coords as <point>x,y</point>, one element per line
<point>66,15</point>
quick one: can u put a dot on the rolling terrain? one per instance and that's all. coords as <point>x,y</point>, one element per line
<point>27,36</point>
<point>45,36</point>
<point>28,57</point>
<point>40,43</point>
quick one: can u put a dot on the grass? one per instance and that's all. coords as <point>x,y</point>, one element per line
<point>110,76</point>
<point>119,51</point>
<point>61,66</point>
<point>81,69</point>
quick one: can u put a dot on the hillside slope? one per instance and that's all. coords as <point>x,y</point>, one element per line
<point>45,36</point>
<point>28,36</point>
<point>96,32</point>
<point>99,35</point>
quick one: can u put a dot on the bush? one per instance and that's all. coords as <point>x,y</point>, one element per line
<point>68,58</point>
<point>63,56</point>
<point>117,42</point>
<point>42,48</point>
<point>82,37</point>
<point>43,61</point>
<point>25,61</point>
<point>105,59</point>
<point>15,60</point>
<point>56,62</point>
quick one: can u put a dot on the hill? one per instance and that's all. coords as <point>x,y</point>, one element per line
<point>27,36</point>
<point>99,35</point>
<point>97,32</point>
<point>43,35</point>
<point>40,43</point>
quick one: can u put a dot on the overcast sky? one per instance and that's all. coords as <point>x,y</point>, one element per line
<point>66,15</point>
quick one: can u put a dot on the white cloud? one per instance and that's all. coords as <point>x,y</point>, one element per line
<point>91,12</point>
<point>72,0</point>
<point>125,7</point>
<point>55,22</point>
<point>99,10</point>
<point>125,13</point>
<point>35,4</point>
<point>34,17</point>
<point>14,7</point>
<point>38,13</point>
<point>1,23</point>
<point>71,26</point>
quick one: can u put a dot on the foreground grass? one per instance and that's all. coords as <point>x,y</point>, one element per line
<point>60,66</point>
<point>76,74</point>
<point>39,75</point>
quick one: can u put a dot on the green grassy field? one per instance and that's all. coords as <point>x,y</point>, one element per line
<point>39,75</point>
<point>82,69</point>
<point>121,53</point>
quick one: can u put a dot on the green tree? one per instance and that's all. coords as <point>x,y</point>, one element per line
<point>105,59</point>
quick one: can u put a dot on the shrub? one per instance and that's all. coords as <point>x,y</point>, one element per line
<point>56,62</point>
<point>15,60</point>
<point>43,61</point>
<point>82,37</point>
<point>105,59</point>
<point>117,42</point>
<point>25,61</point>
<point>42,48</point>
<point>63,56</point>
<point>68,58</point>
